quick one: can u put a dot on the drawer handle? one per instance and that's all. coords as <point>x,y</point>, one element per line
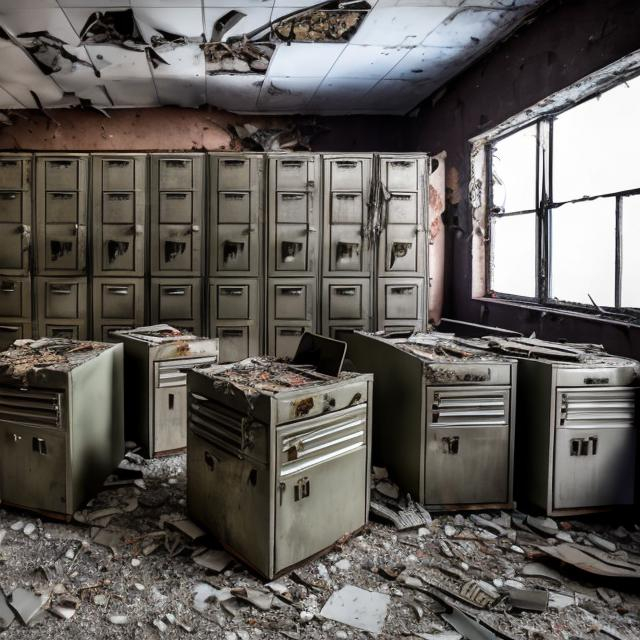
<point>118,163</point>
<point>583,446</point>
<point>175,196</point>
<point>346,291</point>
<point>401,163</point>
<point>8,286</point>
<point>234,163</point>
<point>7,329</point>
<point>292,196</point>
<point>62,196</point>
<point>231,291</point>
<point>60,164</point>
<point>346,164</point>
<point>119,196</point>
<point>8,163</point>
<point>60,290</point>
<point>176,164</point>
<point>291,291</point>
<point>232,333</point>
<point>451,445</point>
<point>291,164</point>
<point>8,196</point>
<point>346,196</point>
<point>118,291</point>
<point>400,196</point>
<point>290,332</point>
<point>402,291</point>
<point>175,291</point>
<point>234,196</point>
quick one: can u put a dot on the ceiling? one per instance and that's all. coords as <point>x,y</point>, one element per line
<point>400,52</point>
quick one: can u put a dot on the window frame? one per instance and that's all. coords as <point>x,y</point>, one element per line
<point>543,209</point>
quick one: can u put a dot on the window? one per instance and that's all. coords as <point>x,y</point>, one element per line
<point>564,207</point>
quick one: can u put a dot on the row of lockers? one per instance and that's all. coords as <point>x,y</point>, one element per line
<point>230,308</point>
<point>315,205</point>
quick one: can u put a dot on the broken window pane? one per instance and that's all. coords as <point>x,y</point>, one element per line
<point>595,145</point>
<point>514,171</point>
<point>630,254</point>
<point>513,254</point>
<point>583,252</point>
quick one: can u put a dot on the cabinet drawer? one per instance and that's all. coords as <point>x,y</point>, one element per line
<point>11,206</point>
<point>15,298</point>
<point>234,173</point>
<point>234,207</point>
<point>61,206</point>
<point>292,173</point>
<point>232,302</point>
<point>118,174</point>
<point>12,172</point>
<point>347,173</point>
<point>176,207</point>
<point>400,174</point>
<point>175,173</point>
<point>62,173</point>
<point>176,300</point>
<point>119,207</point>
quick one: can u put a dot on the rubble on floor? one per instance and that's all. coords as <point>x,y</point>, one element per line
<point>132,565</point>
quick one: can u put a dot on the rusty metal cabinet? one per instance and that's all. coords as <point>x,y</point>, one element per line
<point>61,214</point>
<point>15,309</point>
<point>176,214</point>
<point>177,301</point>
<point>119,209</point>
<point>15,215</point>
<point>118,304</point>
<point>61,305</point>
<point>234,317</point>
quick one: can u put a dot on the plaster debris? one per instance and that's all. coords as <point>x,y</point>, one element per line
<point>357,608</point>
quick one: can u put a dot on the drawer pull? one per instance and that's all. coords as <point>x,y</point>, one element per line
<point>346,164</point>
<point>291,291</point>
<point>451,445</point>
<point>291,164</point>
<point>118,163</point>
<point>181,291</point>
<point>7,195</point>
<point>62,196</point>
<point>175,196</point>
<point>60,164</point>
<point>118,291</point>
<point>234,163</point>
<point>7,329</point>
<point>8,163</point>
<point>8,286</point>
<point>119,197</point>
<point>176,164</point>
<point>290,332</point>
<point>59,290</point>
<point>231,291</point>
<point>402,291</point>
<point>346,196</point>
<point>234,196</point>
<point>405,164</point>
<point>232,333</point>
<point>288,197</point>
<point>346,291</point>
<point>400,196</point>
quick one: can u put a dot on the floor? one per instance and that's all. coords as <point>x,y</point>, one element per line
<point>135,569</point>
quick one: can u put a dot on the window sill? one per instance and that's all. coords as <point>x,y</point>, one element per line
<point>569,313</point>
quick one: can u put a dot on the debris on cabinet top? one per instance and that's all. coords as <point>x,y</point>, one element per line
<point>132,563</point>
<point>54,354</point>
<point>159,334</point>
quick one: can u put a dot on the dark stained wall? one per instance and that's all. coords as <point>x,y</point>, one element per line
<point>566,41</point>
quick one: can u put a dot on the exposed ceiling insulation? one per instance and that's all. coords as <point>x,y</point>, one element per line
<point>253,56</point>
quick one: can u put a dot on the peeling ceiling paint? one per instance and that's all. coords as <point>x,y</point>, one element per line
<point>269,56</point>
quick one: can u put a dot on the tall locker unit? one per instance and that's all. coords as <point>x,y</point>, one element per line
<point>402,248</point>
<point>347,244</point>
<point>61,256</point>
<point>15,247</point>
<point>292,249</point>
<point>119,239</point>
<point>177,239</point>
<point>235,226</point>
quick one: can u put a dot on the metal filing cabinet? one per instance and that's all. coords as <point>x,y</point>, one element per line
<point>348,243</point>
<point>61,305</point>
<point>292,307</point>
<point>577,426</point>
<point>156,358</point>
<point>61,423</point>
<point>61,214</point>
<point>292,249</point>
<point>401,304</point>
<point>15,215</point>
<point>177,301</point>
<point>118,304</point>
<point>444,421</point>
<point>278,459</point>
<point>119,212</point>
<point>176,203</point>
<point>15,309</point>
<point>236,212</point>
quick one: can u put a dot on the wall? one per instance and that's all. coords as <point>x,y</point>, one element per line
<point>178,129</point>
<point>566,41</point>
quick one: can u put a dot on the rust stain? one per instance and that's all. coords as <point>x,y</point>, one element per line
<point>302,407</point>
<point>435,227</point>
<point>435,200</point>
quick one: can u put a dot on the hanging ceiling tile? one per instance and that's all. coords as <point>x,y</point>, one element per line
<point>287,94</point>
<point>365,61</point>
<point>182,81</point>
<point>114,62</point>
<point>7,101</point>
<point>186,21</point>
<point>78,16</point>
<point>53,21</point>
<point>304,59</point>
<point>135,92</point>
<point>234,92</point>
<point>254,18</point>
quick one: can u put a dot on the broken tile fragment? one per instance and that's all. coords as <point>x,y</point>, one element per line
<point>359,608</point>
<point>216,560</point>
<point>27,605</point>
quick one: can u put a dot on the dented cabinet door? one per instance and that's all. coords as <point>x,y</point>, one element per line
<point>468,445</point>
<point>15,309</point>
<point>595,447</point>
<point>61,214</point>
<point>321,483</point>
<point>62,307</point>
<point>119,192</point>
<point>15,215</point>
<point>234,317</point>
<point>177,203</point>
<point>118,304</point>
<point>293,214</point>
<point>235,210</point>
<point>347,233</point>
<point>401,249</point>
<point>292,311</point>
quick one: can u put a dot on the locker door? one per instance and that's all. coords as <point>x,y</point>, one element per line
<point>15,232</point>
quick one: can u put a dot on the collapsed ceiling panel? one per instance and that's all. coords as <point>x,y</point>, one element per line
<point>134,92</point>
<point>186,21</point>
<point>248,19</point>
<point>423,63</point>
<point>365,61</point>
<point>287,94</point>
<point>302,59</point>
<point>7,101</point>
<point>234,92</point>
<point>51,21</point>
<point>181,81</point>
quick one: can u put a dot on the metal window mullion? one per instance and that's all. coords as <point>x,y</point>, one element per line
<point>618,266</point>
<point>488,253</point>
<point>544,192</point>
